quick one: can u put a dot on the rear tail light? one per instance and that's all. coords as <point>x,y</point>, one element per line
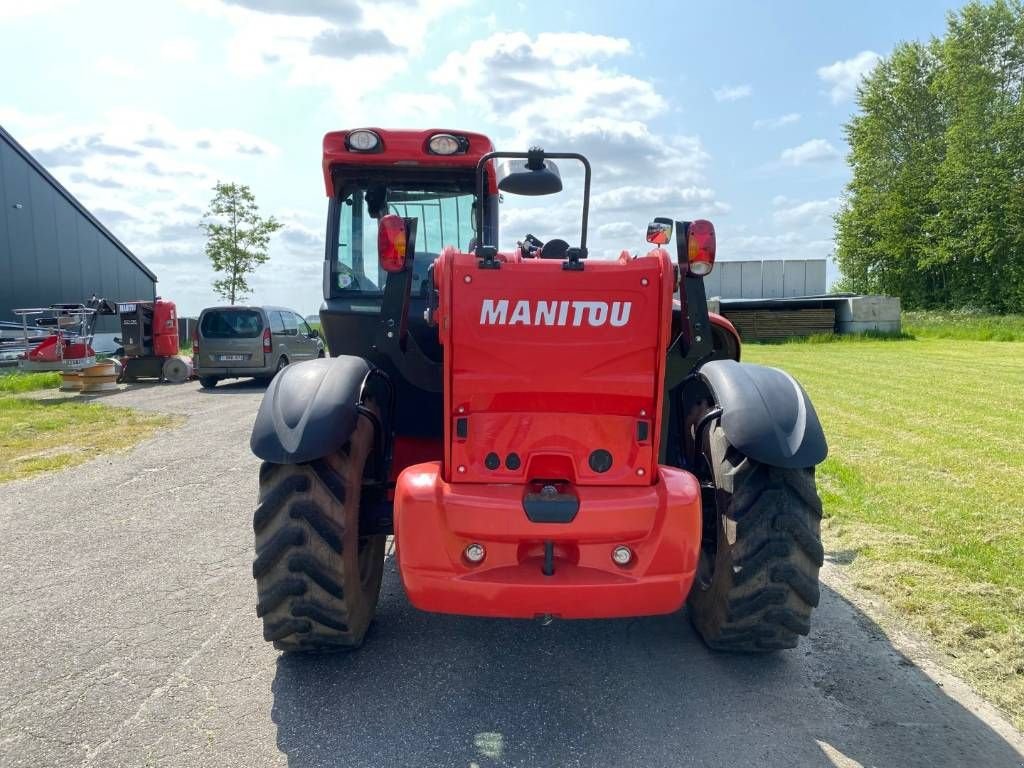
<point>195,342</point>
<point>700,247</point>
<point>266,340</point>
<point>391,243</point>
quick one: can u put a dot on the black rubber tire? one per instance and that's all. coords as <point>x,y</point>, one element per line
<point>207,382</point>
<point>321,354</point>
<point>317,580</point>
<point>282,363</point>
<point>758,579</point>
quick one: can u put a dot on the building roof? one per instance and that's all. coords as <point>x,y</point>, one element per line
<point>27,157</point>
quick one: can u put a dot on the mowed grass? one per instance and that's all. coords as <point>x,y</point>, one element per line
<point>37,435</point>
<point>924,488</point>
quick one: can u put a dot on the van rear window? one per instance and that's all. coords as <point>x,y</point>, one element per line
<point>231,324</point>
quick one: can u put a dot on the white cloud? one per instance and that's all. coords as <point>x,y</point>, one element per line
<point>792,245</point>
<point>844,76</point>
<point>563,92</point>
<point>807,213</point>
<point>733,92</point>
<point>14,9</point>
<point>813,151</point>
<point>111,66</point>
<point>771,123</point>
<point>180,50</point>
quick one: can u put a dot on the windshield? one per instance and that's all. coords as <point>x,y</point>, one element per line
<point>443,217</point>
<point>231,324</point>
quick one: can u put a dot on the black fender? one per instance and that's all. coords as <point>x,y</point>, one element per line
<point>309,410</point>
<point>766,414</point>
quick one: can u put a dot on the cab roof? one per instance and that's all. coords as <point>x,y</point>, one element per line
<point>401,148</point>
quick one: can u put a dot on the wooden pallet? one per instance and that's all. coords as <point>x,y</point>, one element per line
<point>766,324</point>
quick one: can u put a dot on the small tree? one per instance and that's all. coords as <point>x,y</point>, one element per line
<point>237,238</point>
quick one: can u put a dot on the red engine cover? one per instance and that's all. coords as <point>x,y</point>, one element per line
<point>552,365</point>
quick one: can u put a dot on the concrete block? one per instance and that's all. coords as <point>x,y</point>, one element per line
<point>869,309</point>
<point>860,326</point>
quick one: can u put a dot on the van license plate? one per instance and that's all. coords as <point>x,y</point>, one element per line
<point>232,358</point>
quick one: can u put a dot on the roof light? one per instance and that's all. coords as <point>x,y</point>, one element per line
<point>363,141</point>
<point>446,144</point>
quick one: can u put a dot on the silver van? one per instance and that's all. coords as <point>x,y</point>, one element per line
<point>232,342</point>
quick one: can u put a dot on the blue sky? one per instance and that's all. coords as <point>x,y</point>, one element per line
<point>727,110</point>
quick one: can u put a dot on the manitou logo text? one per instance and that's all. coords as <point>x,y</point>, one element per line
<point>523,312</point>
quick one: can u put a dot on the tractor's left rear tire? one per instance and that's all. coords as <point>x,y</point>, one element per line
<point>317,579</point>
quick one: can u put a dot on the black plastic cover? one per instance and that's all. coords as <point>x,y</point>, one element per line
<point>309,410</point>
<point>766,414</point>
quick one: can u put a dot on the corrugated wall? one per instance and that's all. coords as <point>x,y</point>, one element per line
<point>772,279</point>
<point>50,252</point>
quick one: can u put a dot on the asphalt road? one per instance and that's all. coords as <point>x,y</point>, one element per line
<point>130,639</point>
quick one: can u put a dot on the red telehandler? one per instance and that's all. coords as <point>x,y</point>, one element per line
<point>544,435</point>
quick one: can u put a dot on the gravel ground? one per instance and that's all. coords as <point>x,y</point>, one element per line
<point>130,639</point>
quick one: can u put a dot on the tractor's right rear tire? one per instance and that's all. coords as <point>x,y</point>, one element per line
<point>757,581</point>
<point>317,579</point>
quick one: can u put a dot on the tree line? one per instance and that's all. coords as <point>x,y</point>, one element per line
<point>934,212</point>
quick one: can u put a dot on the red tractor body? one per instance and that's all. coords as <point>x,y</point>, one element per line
<point>547,372</point>
<point>544,434</point>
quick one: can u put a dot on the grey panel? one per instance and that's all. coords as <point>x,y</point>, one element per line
<point>771,279</point>
<point>731,280</point>
<point>19,233</point>
<point>6,211</point>
<point>750,279</point>
<point>713,282</point>
<point>46,264</point>
<point>814,282</point>
<point>67,245</point>
<point>793,278</point>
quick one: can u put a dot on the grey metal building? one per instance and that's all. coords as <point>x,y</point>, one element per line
<point>52,250</point>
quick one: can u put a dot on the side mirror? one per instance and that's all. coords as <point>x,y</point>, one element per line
<point>659,231</point>
<point>314,333</point>
<point>391,242</point>
<point>531,177</point>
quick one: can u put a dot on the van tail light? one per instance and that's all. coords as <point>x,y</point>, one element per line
<point>391,243</point>
<point>266,340</point>
<point>195,342</point>
<point>700,247</point>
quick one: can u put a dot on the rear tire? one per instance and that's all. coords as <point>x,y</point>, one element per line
<point>207,382</point>
<point>317,580</point>
<point>757,581</point>
<point>281,364</point>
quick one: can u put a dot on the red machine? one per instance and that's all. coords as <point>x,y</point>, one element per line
<point>543,434</point>
<point>149,337</point>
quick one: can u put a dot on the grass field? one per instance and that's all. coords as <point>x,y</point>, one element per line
<point>924,488</point>
<point>964,325</point>
<point>40,435</point>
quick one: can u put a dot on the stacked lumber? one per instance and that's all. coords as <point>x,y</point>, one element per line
<point>766,324</point>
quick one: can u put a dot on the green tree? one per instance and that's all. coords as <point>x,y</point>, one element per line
<point>934,211</point>
<point>980,181</point>
<point>237,238</point>
<point>886,229</point>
